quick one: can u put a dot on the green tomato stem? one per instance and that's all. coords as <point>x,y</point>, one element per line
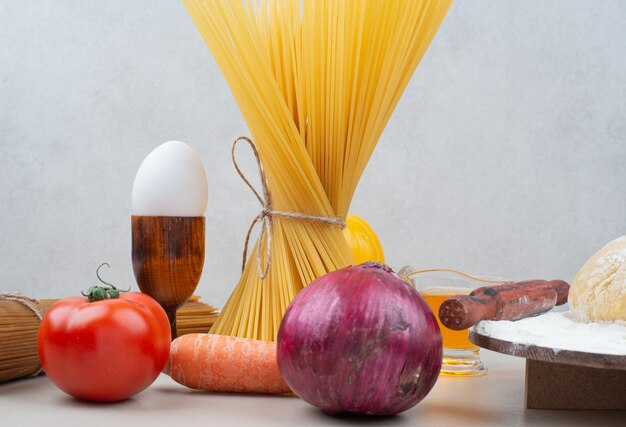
<point>98,274</point>
<point>98,293</point>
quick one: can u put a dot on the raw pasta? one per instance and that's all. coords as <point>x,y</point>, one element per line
<point>316,82</point>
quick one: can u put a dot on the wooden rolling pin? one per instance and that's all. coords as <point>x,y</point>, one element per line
<point>508,301</point>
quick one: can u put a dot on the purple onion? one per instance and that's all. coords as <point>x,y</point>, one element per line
<point>360,340</point>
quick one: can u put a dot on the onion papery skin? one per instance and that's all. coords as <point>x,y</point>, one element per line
<point>360,340</point>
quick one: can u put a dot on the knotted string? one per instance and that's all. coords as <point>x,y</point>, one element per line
<point>266,214</point>
<point>28,302</point>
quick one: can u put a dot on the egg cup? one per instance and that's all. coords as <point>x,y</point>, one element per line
<point>168,257</point>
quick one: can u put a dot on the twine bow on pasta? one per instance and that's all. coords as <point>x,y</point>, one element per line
<point>28,302</point>
<point>266,214</point>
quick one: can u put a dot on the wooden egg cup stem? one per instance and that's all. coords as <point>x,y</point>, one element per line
<point>168,256</point>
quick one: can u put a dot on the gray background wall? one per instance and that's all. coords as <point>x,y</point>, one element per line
<point>505,156</point>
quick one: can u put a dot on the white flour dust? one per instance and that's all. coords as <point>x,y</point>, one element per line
<point>560,331</point>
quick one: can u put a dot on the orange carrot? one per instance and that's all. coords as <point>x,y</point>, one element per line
<point>225,364</point>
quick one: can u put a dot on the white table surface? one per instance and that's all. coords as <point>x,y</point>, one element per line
<point>494,400</point>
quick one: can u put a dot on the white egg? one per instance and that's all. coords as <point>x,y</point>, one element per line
<point>170,182</point>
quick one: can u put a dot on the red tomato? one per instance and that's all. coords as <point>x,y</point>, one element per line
<point>104,350</point>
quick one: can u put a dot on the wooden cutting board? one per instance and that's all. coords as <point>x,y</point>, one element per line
<point>565,379</point>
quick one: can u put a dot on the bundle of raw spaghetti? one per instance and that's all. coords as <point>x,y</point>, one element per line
<point>316,82</point>
<point>195,317</point>
<point>19,324</point>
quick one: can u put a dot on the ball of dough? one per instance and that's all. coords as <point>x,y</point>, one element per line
<point>598,292</point>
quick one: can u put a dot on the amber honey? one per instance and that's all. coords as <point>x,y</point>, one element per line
<point>461,358</point>
<point>455,340</point>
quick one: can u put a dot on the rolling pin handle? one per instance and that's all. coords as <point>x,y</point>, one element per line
<point>562,290</point>
<point>460,312</point>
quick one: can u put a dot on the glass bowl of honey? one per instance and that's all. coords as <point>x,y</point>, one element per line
<point>461,358</point>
